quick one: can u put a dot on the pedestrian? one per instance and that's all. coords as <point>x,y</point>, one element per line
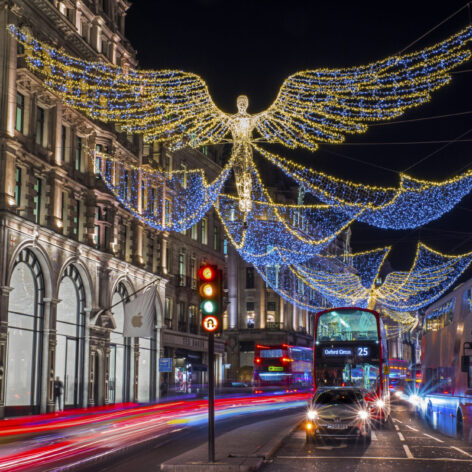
<point>58,387</point>
<point>163,389</point>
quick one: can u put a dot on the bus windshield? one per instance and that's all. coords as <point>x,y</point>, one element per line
<point>347,325</point>
<point>361,374</point>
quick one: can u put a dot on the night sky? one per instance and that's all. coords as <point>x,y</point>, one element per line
<point>250,47</point>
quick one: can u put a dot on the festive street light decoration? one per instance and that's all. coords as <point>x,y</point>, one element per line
<point>411,204</point>
<point>312,106</point>
<point>167,201</point>
<point>431,274</point>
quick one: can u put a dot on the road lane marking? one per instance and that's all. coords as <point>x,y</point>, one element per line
<point>408,452</point>
<point>460,450</point>
<point>432,437</point>
<point>396,421</point>
<point>382,458</point>
<point>400,435</point>
<point>396,427</point>
<point>413,429</point>
<point>374,436</point>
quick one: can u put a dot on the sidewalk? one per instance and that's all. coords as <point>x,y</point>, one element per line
<point>240,450</point>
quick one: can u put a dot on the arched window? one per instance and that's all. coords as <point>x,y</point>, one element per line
<point>120,386</point>
<point>25,324</point>
<point>70,327</point>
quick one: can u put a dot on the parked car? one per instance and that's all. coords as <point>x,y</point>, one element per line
<point>338,412</point>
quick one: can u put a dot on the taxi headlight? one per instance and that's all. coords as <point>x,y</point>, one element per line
<point>363,415</point>
<point>312,415</point>
<point>379,403</point>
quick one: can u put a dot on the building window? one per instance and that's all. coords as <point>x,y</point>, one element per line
<point>183,168</point>
<point>168,312</point>
<point>70,328</point>
<point>121,384</point>
<point>194,231</point>
<point>216,238</point>
<point>270,314</point>
<point>20,112</point>
<point>40,117</point>
<point>125,184</point>
<point>96,236</point>
<point>76,218</point>
<point>205,150</point>
<point>25,325</point>
<point>63,143</point>
<point>37,200</point>
<point>98,160</point>
<point>192,318</point>
<point>168,212</point>
<point>182,269</point>
<point>17,186</point>
<point>78,153</point>
<point>193,273</point>
<point>168,163</point>
<point>225,247</point>
<point>181,317</point>
<point>250,315</point>
<point>249,277</point>
<point>204,231</point>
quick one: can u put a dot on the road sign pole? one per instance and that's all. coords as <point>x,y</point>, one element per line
<point>211,397</point>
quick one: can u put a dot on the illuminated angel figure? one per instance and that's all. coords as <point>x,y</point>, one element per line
<point>312,107</point>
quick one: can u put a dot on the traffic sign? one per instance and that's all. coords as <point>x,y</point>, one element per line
<point>165,364</point>
<point>210,324</point>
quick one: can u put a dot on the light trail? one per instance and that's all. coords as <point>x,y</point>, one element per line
<point>82,435</point>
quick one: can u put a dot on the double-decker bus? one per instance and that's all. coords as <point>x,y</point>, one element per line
<point>282,366</point>
<point>351,350</point>
<point>445,395</point>
<point>398,373</point>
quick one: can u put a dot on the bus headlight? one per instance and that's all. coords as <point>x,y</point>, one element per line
<point>312,415</point>
<point>363,415</point>
<point>380,404</point>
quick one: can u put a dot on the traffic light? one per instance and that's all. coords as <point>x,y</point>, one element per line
<point>209,277</point>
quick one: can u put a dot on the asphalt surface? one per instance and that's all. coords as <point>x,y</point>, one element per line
<point>405,444</point>
<point>154,453</point>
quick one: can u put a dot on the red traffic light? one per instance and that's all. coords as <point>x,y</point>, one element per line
<point>206,273</point>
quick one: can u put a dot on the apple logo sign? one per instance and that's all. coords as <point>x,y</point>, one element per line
<point>137,320</point>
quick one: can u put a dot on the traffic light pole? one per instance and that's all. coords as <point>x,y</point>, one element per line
<point>211,397</point>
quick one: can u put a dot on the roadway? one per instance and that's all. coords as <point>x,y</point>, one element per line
<point>406,443</point>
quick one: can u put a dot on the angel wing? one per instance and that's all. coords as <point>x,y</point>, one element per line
<point>165,105</point>
<point>323,105</point>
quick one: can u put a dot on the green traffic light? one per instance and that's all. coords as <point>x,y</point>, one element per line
<point>208,307</point>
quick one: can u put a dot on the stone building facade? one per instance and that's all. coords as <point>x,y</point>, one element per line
<point>71,256</point>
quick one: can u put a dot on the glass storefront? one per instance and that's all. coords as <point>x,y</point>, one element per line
<point>121,353</point>
<point>70,336</point>
<point>25,320</point>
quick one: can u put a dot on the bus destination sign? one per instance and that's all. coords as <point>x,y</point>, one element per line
<point>359,351</point>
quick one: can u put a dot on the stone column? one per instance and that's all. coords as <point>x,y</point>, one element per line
<point>56,185</point>
<point>8,61</point>
<point>49,354</point>
<point>137,244</point>
<point>7,175</point>
<point>164,261</point>
<point>4,300</point>
<point>86,373</point>
<point>294,318</point>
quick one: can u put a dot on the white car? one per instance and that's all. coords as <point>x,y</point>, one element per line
<point>338,412</point>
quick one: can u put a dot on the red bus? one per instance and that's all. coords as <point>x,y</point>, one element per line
<point>351,350</point>
<point>282,367</point>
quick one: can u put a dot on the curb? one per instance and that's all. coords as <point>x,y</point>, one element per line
<point>247,463</point>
